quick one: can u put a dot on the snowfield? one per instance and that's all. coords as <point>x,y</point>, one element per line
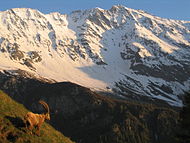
<point>122,49</point>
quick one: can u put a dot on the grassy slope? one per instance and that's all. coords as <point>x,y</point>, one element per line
<point>12,127</point>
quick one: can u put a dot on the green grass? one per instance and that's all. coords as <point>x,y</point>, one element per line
<point>12,127</point>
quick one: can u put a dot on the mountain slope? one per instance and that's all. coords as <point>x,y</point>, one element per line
<point>88,117</point>
<point>12,128</point>
<point>121,50</point>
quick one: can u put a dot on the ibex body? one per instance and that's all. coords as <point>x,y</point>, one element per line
<point>36,120</point>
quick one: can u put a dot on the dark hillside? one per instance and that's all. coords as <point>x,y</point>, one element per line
<point>88,117</point>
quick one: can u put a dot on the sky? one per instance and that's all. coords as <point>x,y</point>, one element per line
<point>173,9</point>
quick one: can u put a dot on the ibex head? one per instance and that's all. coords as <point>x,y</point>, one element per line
<point>47,115</point>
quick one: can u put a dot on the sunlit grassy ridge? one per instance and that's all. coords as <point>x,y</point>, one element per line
<point>12,127</point>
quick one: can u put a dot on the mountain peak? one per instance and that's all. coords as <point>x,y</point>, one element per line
<point>23,13</point>
<point>98,9</point>
<point>118,7</point>
<point>119,50</point>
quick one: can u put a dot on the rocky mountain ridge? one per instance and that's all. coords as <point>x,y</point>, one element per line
<point>121,50</point>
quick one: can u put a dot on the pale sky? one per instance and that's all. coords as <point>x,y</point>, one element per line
<point>174,9</point>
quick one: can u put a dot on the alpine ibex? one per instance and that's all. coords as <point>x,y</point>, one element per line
<point>36,120</point>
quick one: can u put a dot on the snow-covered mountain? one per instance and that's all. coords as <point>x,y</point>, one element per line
<point>120,50</point>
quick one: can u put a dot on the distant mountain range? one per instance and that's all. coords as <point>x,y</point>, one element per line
<point>121,51</point>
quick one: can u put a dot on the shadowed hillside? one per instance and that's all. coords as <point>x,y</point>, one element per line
<point>86,116</point>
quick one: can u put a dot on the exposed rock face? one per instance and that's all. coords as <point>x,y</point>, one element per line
<point>86,116</point>
<point>116,49</point>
